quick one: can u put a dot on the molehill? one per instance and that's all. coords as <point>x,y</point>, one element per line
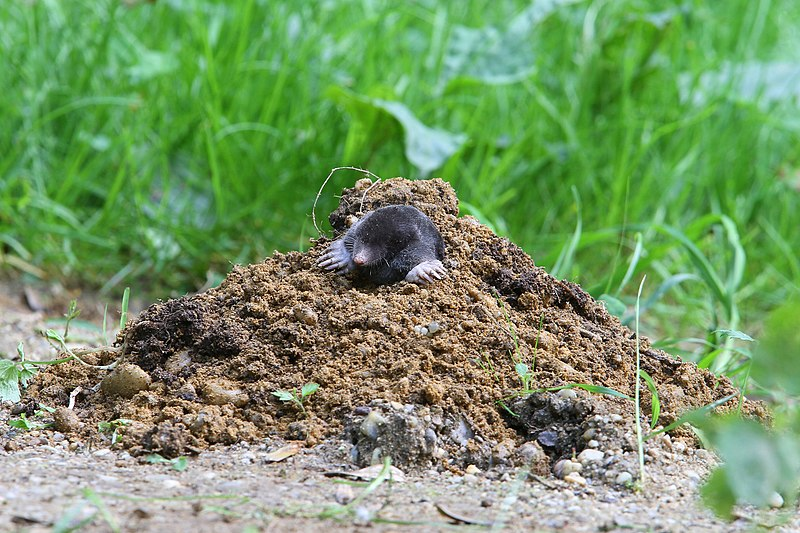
<point>408,371</point>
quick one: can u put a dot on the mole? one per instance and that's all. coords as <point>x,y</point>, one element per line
<point>387,245</point>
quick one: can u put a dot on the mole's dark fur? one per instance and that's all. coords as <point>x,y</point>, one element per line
<point>387,245</point>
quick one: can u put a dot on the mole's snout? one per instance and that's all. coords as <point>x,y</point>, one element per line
<point>360,259</point>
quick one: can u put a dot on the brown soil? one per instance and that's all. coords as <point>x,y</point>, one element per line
<point>198,374</point>
<point>438,357</point>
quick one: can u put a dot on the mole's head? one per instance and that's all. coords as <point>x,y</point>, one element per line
<point>366,253</point>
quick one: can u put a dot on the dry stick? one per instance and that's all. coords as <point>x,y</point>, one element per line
<point>364,196</point>
<point>319,192</point>
<point>72,396</point>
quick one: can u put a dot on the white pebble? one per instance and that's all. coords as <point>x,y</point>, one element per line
<point>566,467</point>
<point>590,456</point>
<point>576,479</point>
<point>472,469</point>
<point>567,393</point>
<point>775,500</point>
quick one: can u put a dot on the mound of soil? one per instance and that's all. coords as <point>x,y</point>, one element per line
<point>413,372</point>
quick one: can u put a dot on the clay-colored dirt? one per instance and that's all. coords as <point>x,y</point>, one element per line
<point>210,362</point>
<point>414,373</point>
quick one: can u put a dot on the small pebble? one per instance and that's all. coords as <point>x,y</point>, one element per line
<point>590,456</point>
<point>692,475</point>
<point>472,469</point>
<point>700,453</point>
<point>170,483</point>
<point>568,394</point>
<point>623,521</point>
<point>623,478</point>
<point>576,479</point>
<point>566,467</point>
<point>344,494</point>
<point>775,500</point>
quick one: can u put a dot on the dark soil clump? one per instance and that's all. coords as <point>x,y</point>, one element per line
<point>429,363</point>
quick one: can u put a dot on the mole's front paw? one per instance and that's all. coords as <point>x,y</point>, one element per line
<point>426,272</point>
<point>336,257</point>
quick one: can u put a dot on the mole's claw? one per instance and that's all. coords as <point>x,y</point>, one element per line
<point>426,272</point>
<point>336,257</point>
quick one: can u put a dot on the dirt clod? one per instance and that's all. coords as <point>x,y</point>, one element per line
<point>411,372</point>
<point>125,380</point>
<point>65,420</point>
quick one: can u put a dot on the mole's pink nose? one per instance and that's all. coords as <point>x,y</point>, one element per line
<point>359,260</point>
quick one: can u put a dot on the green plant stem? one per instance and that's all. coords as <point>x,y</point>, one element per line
<point>636,395</point>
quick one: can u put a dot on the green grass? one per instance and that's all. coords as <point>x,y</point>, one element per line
<point>154,145</point>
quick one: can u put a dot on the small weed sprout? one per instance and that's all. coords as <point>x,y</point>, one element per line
<point>295,397</point>
<point>485,362</point>
<point>179,464</point>
<point>16,374</point>
<point>24,423</point>
<point>524,372</point>
<point>114,426</point>
<point>525,375</point>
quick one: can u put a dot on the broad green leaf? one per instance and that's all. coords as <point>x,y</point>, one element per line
<point>284,395</point>
<point>756,462</point>
<point>308,389</point>
<point>754,82</point>
<point>21,422</point>
<point>495,56</point>
<point>9,381</point>
<point>179,464</point>
<point>155,458</point>
<point>717,494</point>
<point>775,357</point>
<point>426,148</point>
<point>54,335</point>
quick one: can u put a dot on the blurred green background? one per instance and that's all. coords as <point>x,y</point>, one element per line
<point>152,145</point>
